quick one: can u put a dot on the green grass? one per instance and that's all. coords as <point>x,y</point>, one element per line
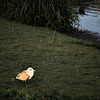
<point>64,66</point>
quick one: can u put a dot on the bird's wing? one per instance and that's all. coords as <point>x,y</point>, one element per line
<point>25,71</point>
<point>23,76</point>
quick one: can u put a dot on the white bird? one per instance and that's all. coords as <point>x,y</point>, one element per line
<point>25,75</point>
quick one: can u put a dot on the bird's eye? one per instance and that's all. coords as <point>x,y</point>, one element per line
<point>30,69</point>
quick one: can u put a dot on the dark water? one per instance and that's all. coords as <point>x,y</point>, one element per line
<point>91,20</point>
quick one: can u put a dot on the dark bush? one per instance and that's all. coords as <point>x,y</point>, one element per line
<point>54,14</point>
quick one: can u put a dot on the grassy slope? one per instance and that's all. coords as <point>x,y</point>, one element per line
<point>71,68</point>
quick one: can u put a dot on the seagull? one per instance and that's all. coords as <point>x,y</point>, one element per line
<point>25,75</point>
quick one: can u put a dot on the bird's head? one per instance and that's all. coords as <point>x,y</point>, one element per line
<point>31,69</point>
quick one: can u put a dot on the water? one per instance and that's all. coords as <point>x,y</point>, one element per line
<point>91,20</point>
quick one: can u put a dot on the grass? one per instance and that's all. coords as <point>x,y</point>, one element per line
<point>64,66</point>
<point>54,14</point>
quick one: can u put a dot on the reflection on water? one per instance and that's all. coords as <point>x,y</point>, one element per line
<point>91,20</point>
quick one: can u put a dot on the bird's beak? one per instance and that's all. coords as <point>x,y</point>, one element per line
<point>34,70</point>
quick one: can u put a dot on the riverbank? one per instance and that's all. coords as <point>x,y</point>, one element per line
<point>84,35</point>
